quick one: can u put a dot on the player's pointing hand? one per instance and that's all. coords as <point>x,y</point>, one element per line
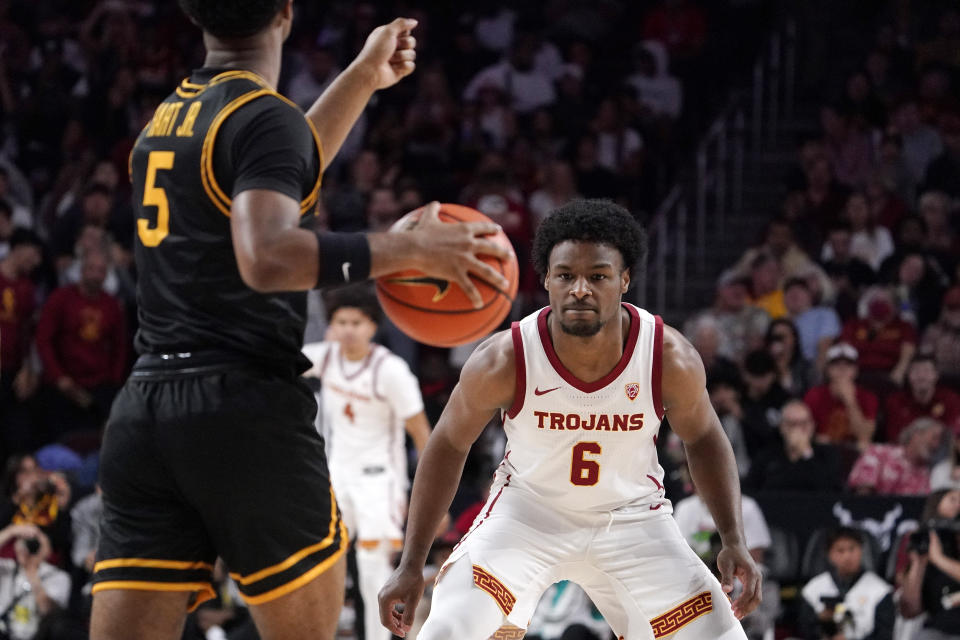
<point>398,600</point>
<point>734,561</point>
<point>389,53</point>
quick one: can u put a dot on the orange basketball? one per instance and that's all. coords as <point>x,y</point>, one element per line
<point>438,312</point>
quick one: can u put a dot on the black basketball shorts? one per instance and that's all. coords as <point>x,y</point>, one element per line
<point>214,461</point>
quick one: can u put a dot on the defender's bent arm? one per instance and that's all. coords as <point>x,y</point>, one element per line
<point>486,385</point>
<point>712,464</point>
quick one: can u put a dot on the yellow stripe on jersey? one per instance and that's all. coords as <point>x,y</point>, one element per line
<point>207,176</point>
<point>311,199</point>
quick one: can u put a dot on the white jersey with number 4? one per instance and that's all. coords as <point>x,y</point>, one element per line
<point>365,406</point>
<point>588,446</point>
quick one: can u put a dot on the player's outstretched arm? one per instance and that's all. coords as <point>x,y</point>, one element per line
<point>486,385</point>
<point>387,56</point>
<point>712,465</point>
<point>274,254</point>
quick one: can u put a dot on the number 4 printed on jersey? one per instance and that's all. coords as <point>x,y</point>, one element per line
<point>348,411</point>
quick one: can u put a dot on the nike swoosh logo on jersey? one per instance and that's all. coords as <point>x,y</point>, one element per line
<point>346,271</point>
<point>537,392</point>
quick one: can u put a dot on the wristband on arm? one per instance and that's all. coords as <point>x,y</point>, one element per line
<point>343,258</point>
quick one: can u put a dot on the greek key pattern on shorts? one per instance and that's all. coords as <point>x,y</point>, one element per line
<point>682,615</point>
<point>504,599</point>
<point>508,632</point>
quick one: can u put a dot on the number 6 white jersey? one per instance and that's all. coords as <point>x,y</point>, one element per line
<point>587,446</point>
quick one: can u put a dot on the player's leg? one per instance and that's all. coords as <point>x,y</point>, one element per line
<point>374,566</point>
<point>648,583</point>
<point>490,586</point>
<point>460,610</point>
<point>154,558</point>
<point>310,611</point>
<point>378,537</point>
<point>267,503</point>
<point>146,615</point>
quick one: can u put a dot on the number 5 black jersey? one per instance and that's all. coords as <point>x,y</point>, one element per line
<point>221,132</point>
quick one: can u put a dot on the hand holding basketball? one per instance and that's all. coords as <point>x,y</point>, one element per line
<point>454,250</point>
<point>465,287</point>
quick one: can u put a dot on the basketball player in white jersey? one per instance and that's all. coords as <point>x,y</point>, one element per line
<point>370,398</point>
<point>583,385</point>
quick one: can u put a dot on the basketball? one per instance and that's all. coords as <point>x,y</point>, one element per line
<point>438,312</point>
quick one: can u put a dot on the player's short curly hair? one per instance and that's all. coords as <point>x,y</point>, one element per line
<point>232,18</point>
<point>357,296</point>
<point>590,221</point>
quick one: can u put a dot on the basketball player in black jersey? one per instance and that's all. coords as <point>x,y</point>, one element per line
<point>210,448</point>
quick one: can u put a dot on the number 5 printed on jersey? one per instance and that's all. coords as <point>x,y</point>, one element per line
<point>585,472</point>
<point>154,196</point>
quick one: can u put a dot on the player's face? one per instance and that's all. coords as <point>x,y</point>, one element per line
<point>585,281</point>
<point>351,327</point>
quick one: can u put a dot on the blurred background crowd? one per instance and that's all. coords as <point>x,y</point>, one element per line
<point>832,346</point>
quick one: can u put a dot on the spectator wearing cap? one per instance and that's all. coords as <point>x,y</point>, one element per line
<point>796,463</point>
<point>922,397</point>
<point>844,412</point>
<point>818,327</point>
<point>763,396</point>
<point>18,380</point>
<point>765,291</point>
<point>899,469</point>
<point>82,341</point>
<point>742,326</point>
<point>884,341</point>
<point>942,339</point>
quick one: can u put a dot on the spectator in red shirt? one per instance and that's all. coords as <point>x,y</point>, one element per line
<point>82,342</point>
<point>843,411</point>
<point>923,397</point>
<point>884,341</point>
<point>18,381</point>
<point>900,469</point>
